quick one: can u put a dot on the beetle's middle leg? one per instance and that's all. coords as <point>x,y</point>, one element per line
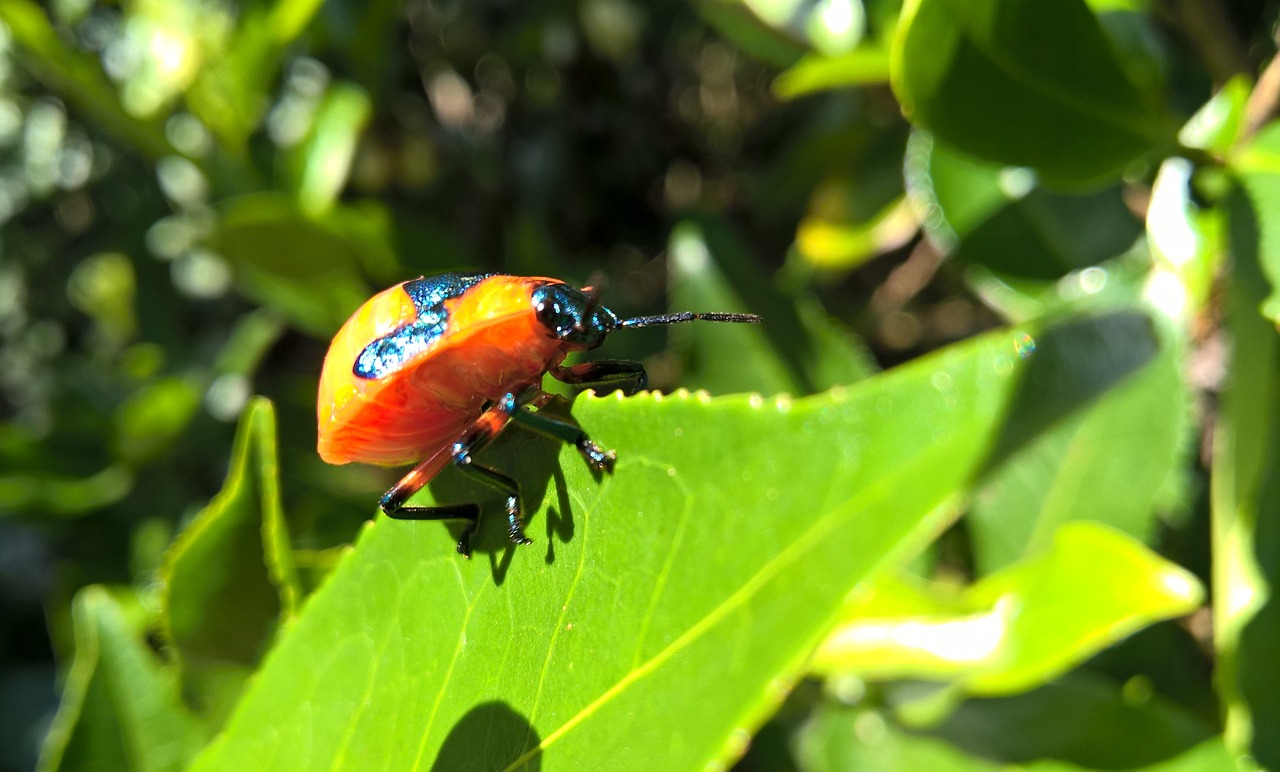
<point>558,429</point>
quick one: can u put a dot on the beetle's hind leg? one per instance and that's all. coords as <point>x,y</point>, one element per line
<point>475,438</point>
<point>392,505</point>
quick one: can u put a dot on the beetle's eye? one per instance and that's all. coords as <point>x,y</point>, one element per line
<point>558,310</point>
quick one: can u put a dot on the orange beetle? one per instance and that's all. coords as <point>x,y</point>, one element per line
<point>432,369</point>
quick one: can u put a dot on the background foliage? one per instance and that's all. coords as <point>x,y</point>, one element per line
<point>995,488</point>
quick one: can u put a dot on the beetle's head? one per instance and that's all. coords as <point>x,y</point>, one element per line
<point>573,315</point>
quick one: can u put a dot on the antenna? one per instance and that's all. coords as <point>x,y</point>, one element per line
<point>687,316</point>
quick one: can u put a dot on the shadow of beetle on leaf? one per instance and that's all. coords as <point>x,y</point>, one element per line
<point>492,735</point>
<point>533,461</point>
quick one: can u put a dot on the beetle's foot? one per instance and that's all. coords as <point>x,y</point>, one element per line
<point>515,526</point>
<point>597,457</point>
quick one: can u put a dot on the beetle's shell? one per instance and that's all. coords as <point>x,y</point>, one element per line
<point>492,344</point>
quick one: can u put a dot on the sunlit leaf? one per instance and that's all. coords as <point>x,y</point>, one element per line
<point>78,76</point>
<point>1018,628</point>
<point>1257,167</point>
<point>665,606</point>
<point>1216,125</point>
<point>865,65</point>
<point>1001,219</point>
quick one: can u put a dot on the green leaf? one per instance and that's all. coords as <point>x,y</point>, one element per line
<point>310,270</point>
<point>1018,628</point>
<point>1246,499</point>
<point>1257,167</point>
<point>120,708</point>
<point>1003,220</point>
<point>65,495</point>
<point>1216,126</point>
<point>831,27</point>
<point>152,418</point>
<point>1108,463</point>
<point>229,580</point>
<point>770,28</point>
<point>865,65</point>
<point>1186,245</point>
<point>1084,721</point>
<point>232,94</point>
<point>322,163</point>
<point>665,607</point>
<point>1033,83</point>
<point>747,32</point>
<point>835,235</point>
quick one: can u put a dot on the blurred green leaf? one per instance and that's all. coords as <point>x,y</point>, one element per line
<point>79,77</point>
<point>835,236</point>
<point>231,95</point>
<point>1216,126</point>
<point>1246,495</point>
<point>842,738</point>
<point>1257,167</point>
<point>1084,721</point>
<point>65,495</point>
<point>1003,220</point>
<point>1032,83</point>
<point>322,162</point>
<point>228,580</point>
<point>1186,245</point>
<point>831,27</point>
<point>748,32</point>
<point>120,708</point>
<point>1018,628</point>
<point>152,418</point>
<point>310,270</point>
<point>863,66</point>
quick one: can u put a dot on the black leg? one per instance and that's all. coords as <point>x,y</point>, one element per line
<point>605,375</point>
<point>596,457</point>
<point>499,481</point>
<point>476,437</point>
<point>392,505</point>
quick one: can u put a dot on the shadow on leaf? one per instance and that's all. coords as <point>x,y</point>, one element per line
<point>490,736</point>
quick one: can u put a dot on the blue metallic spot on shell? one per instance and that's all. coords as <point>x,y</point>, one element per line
<point>430,291</point>
<point>389,353</point>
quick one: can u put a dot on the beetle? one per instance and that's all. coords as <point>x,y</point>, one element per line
<point>429,371</point>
